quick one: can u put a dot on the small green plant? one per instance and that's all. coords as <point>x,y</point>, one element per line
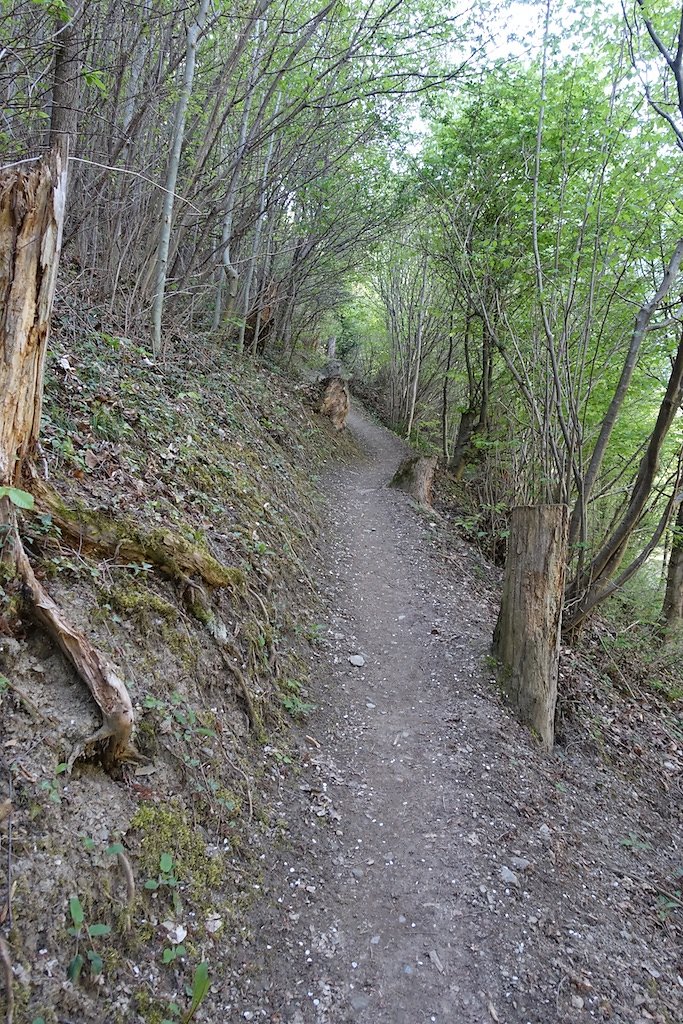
<point>291,700</point>
<point>172,953</point>
<point>81,930</point>
<point>166,877</point>
<point>51,787</point>
<point>667,903</point>
<point>200,986</point>
<point>633,842</point>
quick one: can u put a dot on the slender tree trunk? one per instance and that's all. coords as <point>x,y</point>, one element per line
<point>418,351</point>
<point>258,230</point>
<point>66,87</point>
<point>642,322</point>
<point>588,590</point>
<point>194,31</point>
<point>526,641</point>
<point>672,609</point>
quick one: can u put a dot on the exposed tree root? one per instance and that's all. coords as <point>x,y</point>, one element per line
<point>108,690</point>
<point>6,964</point>
<point>166,550</point>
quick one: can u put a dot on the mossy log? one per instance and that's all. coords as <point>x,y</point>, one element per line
<point>415,475</point>
<point>172,554</point>
<point>335,401</point>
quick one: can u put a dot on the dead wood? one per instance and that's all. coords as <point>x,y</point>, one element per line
<point>526,642</point>
<point>31,221</point>
<point>335,401</point>
<point>415,475</point>
<point>108,690</point>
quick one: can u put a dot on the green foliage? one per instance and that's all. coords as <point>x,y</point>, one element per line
<point>291,698</point>
<point>80,929</point>
<point>19,498</point>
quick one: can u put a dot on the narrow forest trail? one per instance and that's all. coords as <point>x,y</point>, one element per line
<point>438,867</point>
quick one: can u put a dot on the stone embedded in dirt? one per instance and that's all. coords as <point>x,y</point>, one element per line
<point>520,863</point>
<point>577,1002</point>
<point>359,1002</point>
<point>508,877</point>
<point>357,659</point>
<point>544,832</point>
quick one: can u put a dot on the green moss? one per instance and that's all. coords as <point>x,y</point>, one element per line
<point>152,1011</point>
<point>140,603</point>
<point>167,829</point>
<point>180,643</point>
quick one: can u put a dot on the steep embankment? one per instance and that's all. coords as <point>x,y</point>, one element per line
<point>176,529</point>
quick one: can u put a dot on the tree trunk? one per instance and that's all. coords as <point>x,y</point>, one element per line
<point>418,352</point>
<point>526,641</point>
<point>672,609</point>
<point>31,221</point>
<point>193,32</point>
<point>66,81</point>
<point>415,475</point>
<point>590,589</point>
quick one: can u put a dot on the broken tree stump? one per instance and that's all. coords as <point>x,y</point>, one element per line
<point>32,206</point>
<point>335,401</point>
<point>415,475</point>
<point>526,641</point>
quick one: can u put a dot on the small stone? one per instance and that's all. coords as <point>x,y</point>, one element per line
<point>357,659</point>
<point>374,941</point>
<point>357,872</point>
<point>508,877</point>
<point>520,863</point>
<point>408,969</point>
<point>544,831</point>
<point>248,1015</point>
<point>577,1002</point>
<point>360,1002</point>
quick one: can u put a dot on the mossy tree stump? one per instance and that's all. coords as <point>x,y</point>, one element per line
<point>526,642</point>
<point>415,475</point>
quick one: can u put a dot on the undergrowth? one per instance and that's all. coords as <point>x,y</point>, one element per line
<point>215,461</point>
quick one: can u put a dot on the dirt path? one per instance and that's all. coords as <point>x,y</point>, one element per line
<point>439,868</point>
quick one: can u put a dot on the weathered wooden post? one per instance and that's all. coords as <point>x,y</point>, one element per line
<point>526,641</point>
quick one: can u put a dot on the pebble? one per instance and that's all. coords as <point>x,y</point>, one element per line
<point>357,659</point>
<point>521,863</point>
<point>357,872</point>
<point>360,1002</point>
<point>577,1002</point>
<point>508,877</point>
<point>408,969</point>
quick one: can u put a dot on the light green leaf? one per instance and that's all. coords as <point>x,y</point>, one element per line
<point>76,911</point>
<point>22,499</point>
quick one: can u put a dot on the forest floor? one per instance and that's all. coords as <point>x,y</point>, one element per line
<point>438,865</point>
